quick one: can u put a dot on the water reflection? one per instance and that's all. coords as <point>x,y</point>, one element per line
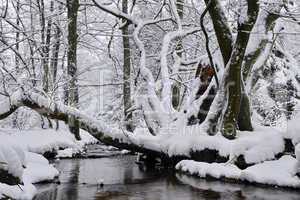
<point>123,180</point>
<point>238,191</point>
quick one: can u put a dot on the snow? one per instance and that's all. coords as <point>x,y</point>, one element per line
<point>29,167</point>
<point>19,192</point>
<point>38,169</point>
<point>65,153</point>
<point>293,129</point>
<point>278,172</point>
<point>203,169</point>
<point>12,158</point>
<point>260,145</point>
<point>20,156</point>
<point>41,141</point>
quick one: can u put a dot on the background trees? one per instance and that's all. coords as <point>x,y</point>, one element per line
<point>145,63</point>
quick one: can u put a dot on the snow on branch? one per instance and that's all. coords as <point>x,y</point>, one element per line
<point>114,12</point>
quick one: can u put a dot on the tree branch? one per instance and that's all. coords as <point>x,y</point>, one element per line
<point>222,30</point>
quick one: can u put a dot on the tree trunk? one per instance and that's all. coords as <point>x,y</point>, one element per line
<point>222,30</point>
<point>73,97</point>
<point>17,34</point>
<point>41,7</point>
<point>233,80</point>
<point>15,115</point>
<point>225,41</point>
<point>268,22</point>
<point>54,57</point>
<point>176,86</point>
<point>126,70</point>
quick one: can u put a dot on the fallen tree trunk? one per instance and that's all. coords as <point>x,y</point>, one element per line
<point>169,147</point>
<point>119,138</point>
<point>146,144</point>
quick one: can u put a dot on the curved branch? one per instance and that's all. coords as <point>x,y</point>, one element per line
<point>207,41</point>
<point>115,13</point>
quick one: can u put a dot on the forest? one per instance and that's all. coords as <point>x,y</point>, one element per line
<point>188,90</point>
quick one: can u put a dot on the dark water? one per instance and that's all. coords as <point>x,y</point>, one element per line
<point>124,180</point>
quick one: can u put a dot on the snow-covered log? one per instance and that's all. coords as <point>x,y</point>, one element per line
<point>173,145</point>
<point>57,110</point>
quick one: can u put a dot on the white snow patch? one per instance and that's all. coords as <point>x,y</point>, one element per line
<point>21,192</point>
<point>65,153</point>
<point>36,172</point>
<point>280,172</point>
<point>19,155</point>
<point>258,146</point>
<point>12,158</point>
<point>41,141</point>
<point>202,169</point>
<point>38,169</point>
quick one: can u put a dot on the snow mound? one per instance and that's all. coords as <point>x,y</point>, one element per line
<point>38,169</point>
<point>29,167</point>
<point>65,153</point>
<point>19,192</point>
<point>20,156</point>
<point>280,172</point>
<point>202,169</point>
<point>12,158</point>
<point>258,146</point>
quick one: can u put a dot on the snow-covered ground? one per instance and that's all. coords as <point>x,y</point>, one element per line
<point>21,155</point>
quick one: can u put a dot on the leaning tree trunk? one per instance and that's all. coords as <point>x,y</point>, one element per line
<point>73,98</point>
<point>233,81</point>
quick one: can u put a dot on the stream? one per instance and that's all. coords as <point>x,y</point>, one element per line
<point>80,179</point>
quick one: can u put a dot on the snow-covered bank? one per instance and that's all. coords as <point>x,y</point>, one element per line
<point>46,140</point>
<point>34,168</point>
<point>280,172</point>
<point>28,167</point>
<point>20,156</point>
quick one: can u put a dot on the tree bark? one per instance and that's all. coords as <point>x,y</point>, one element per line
<point>233,80</point>
<point>225,41</point>
<point>17,62</point>
<point>222,30</point>
<point>179,48</point>
<point>73,97</point>
<point>126,70</point>
<point>41,7</point>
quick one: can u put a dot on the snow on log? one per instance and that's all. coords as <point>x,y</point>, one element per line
<point>189,142</point>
